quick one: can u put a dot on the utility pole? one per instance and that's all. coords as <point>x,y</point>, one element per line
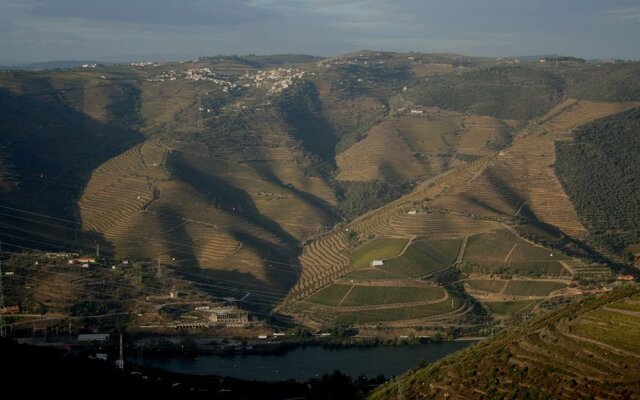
<point>120,363</point>
<point>399,389</point>
<point>3,326</point>
<point>200,110</point>
<point>97,250</point>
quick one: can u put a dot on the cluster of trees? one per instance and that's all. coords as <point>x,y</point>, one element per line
<point>523,92</point>
<point>356,198</point>
<point>503,92</point>
<point>125,103</point>
<point>610,82</point>
<point>372,79</point>
<point>600,172</point>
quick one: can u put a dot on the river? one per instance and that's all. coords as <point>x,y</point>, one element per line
<point>303,363</point>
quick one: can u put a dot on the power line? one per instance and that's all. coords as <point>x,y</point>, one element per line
<point>174,243</point>
<point>275,300</point>
<point>271,263</point>
<point>233,284</point>
<point>247,286</point>
<point>3,327</point>
<point>116,296</point>
<point>268,297</point>
<point>102,294</point>
<point>265,293</point>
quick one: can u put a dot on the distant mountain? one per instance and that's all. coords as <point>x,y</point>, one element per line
<point>50,65</point>
<point>549,57</point>
<point>256,60</point>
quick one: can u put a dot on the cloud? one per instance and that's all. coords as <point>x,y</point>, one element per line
<point>167,12</point>
<point>45,29</point>
<point>359,10</point>
<point>628,14</point>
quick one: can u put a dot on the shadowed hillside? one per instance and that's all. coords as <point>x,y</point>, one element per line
<point>50,146</point>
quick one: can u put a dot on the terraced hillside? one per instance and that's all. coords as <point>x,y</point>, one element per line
<point>392,303</point>
<point>390,292</point>
<point>478,198</point>
<point>318,270</point>
<point>327,257</point>
<point>56,129</point>
<point>587,350</point>
<point>522,177</point>
<point>153,202</point>
<point>417,147</point>
<point>289,175</point>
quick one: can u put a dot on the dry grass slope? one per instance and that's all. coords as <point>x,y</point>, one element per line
<point>382,155</point>
<point>412,147</point>
<point>523,173</point>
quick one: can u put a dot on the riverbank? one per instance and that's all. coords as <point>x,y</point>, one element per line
<point>172,346</point>
<point>301,373</point>
<point>307,362</point>
<point>37,370</point>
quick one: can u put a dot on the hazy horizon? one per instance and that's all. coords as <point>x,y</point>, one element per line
<point>37,31</point>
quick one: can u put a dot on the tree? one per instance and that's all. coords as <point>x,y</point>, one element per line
<point>334,386</point>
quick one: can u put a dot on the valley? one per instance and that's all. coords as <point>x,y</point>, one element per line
<point>354,191</point>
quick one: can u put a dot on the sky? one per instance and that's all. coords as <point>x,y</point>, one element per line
<point>45,30</point>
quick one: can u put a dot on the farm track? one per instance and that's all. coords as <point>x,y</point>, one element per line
<point>624,312</point>
<point>383,306</point>
<point>602,345</point>
<point>463,247</point>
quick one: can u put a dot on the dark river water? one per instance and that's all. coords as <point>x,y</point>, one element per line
<point>306,362</point>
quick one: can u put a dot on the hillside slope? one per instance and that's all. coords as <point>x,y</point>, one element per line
<point>55,132</point>
<point>488,203</point>
<point>284,173</point>
<point>520,92</point>
<point>587,350</point>
<point>600,171</point>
